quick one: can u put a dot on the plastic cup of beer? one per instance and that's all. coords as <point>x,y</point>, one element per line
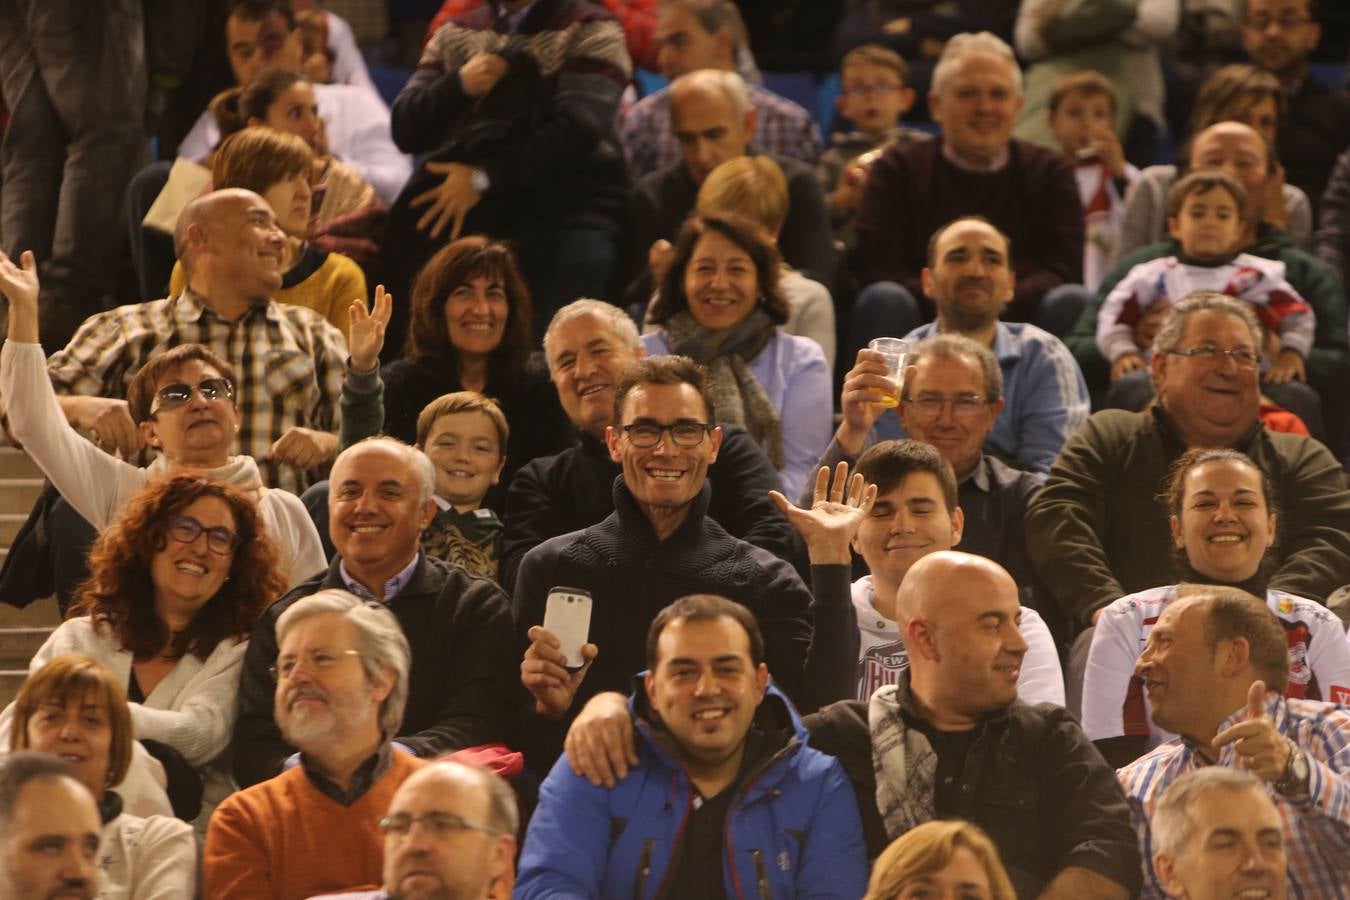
<point>895,350</point>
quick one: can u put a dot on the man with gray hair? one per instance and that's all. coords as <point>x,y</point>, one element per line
<point>341,682</point>
<point>460,627</point>
<point>1096,533</point>
<point>588,345</point>
<point>714,121</point>
<point>975,166</point>
<point>708,34</point>
<point>1217,834</point>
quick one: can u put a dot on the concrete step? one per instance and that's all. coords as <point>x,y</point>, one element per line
<point>17,495</point>
<point>17,645</point>
<point>42,614</point>
<point>10,682</point>
<point>14,463</point>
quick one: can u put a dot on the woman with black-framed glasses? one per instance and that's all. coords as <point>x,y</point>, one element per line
<point>175,585</point>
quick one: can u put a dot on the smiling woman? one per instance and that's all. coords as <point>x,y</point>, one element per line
<point>1224,520</point>
<point>175,586</point>
<point>720,305</point>
<point>470,330</point>
<point>73,707</point>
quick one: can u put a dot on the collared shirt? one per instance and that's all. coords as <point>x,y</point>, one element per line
<point>783,128</point>
<point>288,359</point>
<point>1316,827</point>
<point>1045,396</point>
<point>365,776</point>
<point>392,587</point>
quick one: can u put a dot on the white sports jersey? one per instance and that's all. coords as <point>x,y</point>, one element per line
<point>882,656</point>
<point>1114,702</point>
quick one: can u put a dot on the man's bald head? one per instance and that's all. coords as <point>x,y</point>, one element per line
<point>960,619</point>
<point>231,247</point>
<point>937,581</point>
<point>712,119</point>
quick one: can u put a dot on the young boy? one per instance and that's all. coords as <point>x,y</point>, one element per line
<point>873,96</point>
<point>464,434</point>
<point>1082,110</point>
<point>1206,210</point>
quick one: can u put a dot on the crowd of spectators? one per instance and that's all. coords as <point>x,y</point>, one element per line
<point>503,490</point>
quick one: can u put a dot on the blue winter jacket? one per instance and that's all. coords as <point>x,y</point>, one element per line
<point>793,827</point>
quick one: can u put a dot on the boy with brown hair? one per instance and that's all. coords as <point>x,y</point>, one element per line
<point>873,95</point>
<point>464,435</point>
<point>1082,110</point>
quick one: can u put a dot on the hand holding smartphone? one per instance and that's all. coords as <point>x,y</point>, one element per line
<point>567,615</point>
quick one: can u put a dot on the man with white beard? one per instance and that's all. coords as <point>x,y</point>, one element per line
<point>341,684</point>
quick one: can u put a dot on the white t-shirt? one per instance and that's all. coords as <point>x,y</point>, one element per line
<point>882,656</point>
<point>1114,701</point>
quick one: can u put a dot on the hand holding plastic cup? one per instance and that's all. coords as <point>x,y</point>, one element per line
<point>894,350</point>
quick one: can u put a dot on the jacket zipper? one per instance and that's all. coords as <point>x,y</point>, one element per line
<point>644,868</point>
<point>761,876</point>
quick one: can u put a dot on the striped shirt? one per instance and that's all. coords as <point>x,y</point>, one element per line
<point>1316,827</point>
<point>783,128</point>
<point>289,361</point>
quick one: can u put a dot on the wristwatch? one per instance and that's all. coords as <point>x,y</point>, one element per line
<point>1293,782</point>
<point>478,179</point>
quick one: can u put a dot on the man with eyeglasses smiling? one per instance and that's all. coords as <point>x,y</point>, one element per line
<point>1278,36</point>
<point>659,544</point>
<point>341,682</point>
<point>450,835</point>
<point>1096,532</point>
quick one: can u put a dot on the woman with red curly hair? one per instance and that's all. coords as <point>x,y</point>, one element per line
<point>174,588</point>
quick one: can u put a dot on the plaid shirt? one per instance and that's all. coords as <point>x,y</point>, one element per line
<point>783,129</point>
<point>289,361</point>
<point>1316,827</point>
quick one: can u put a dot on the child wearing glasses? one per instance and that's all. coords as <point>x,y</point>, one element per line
<point>872,96</point>
<point>1206,210</point>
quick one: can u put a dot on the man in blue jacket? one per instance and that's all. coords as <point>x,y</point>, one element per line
<point>726,799</point>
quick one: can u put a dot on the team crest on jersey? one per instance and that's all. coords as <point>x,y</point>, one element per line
<point>881,665</point>
<point>1285,605</point>
<point>1339,694</point>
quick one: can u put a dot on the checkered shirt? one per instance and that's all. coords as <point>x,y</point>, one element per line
<point>1316,827</point>
<point>783,129</point>
<point>289,361</point>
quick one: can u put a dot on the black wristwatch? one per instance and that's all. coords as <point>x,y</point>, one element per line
<point>1293,781</point>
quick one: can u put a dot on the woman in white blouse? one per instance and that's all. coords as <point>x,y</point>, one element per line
<point>174,588</point>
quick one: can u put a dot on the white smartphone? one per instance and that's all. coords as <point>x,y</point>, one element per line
<point>568,617</point>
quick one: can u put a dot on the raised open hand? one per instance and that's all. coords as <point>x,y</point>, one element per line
<point>20,286</point>
<point>367,329</point>
<point>836,512</point>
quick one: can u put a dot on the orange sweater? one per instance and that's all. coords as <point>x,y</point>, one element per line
<point>283,839</point>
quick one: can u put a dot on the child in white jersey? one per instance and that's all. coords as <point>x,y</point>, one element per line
<point>1206,210</point>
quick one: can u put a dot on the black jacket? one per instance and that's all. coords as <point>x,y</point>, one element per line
<point>465,668</point>
<point>1313,132</point>
<point>571,491</point>
<point>810,644</point>
<point>1032,780</point>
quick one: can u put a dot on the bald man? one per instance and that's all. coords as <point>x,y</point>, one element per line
<point>290,360</point>
<point>951,740</point>
<point>713,120</point>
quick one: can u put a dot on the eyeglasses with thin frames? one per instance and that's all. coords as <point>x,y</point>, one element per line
<point>645,435</point>
<point>440,823</point>
<point>964,406</point>
<point>1286,22</point>
<point>1246,359</point>
<point>219,539</point>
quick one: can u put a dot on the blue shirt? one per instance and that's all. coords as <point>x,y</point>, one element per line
<point>1045,396</point>
<point>392,587</point>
